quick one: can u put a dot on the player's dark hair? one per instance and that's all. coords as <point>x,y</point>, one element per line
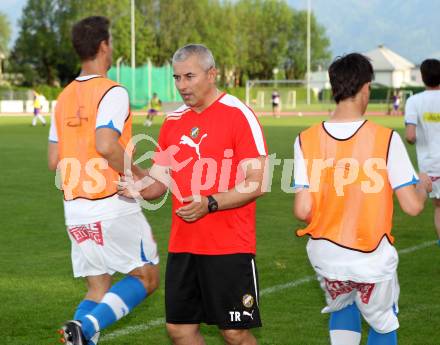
<point>348,74</point>
<point>87,35</point>
<point>430,69</point>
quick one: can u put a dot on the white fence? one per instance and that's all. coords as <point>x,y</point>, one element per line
<point>14,106</point>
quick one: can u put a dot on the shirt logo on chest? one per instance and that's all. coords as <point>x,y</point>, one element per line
<point>186,140</point>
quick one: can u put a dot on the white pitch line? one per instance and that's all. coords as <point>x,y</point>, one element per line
<point>420,246</point>
<point>161,321</point>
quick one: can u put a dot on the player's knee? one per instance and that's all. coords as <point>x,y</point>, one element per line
<point>179,333</point>
<point>149,277</point>
<point>238,336</point>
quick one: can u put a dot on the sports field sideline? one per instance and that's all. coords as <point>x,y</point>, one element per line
<point>38,293</point>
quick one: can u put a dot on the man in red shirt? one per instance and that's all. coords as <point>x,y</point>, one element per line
<point>214,152</point>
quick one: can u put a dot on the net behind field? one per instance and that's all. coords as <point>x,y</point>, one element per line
<point>148,80</point>
<point>292,94</point>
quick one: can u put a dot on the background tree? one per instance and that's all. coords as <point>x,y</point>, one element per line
<point>5,33</point>
<point>295,63</point>
<point>248,38</point>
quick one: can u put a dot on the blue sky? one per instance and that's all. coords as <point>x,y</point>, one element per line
<point>352,25</point>
<point>12,8</point>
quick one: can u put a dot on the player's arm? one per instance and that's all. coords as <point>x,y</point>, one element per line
<point>302,204</point>
<point>412,198</point>
<point>52,156</point>
<point>108,146</point>
<point>410,121</point>
<point>52,150</point>
<point>112,113</point>
<point>411,191</point>
<point>241,194</point>
<point>410,133</point>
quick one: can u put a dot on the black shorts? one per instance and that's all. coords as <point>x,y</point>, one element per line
<point>218,290</point>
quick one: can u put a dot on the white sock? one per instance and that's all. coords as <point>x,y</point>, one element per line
<point>34,121</point>
<point>344,337</point>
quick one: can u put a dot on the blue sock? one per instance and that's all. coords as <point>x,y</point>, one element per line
<point>85,307</point>
<point>117,302</point>
<point>438,242</point>
<point>375,338</point>
<point>345,326</point>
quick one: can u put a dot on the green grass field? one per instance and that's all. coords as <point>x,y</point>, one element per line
<point>38,293</point>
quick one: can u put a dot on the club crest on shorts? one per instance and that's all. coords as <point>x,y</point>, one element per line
<point>194,132</point>
<point>248,301</point>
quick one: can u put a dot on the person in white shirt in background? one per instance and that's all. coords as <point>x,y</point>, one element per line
<point>422,121</point>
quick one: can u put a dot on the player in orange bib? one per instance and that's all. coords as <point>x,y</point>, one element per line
<point>88,145</point>
<point>346,170</point>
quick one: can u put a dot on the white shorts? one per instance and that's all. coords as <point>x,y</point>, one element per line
<point>435,194</point>
<point>377,302</point>
<point>116,245</point>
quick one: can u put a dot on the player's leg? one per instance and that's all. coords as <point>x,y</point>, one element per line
<point>345,326</point>
<point>437,216</point>
<point>34,119</point>
<point>97,287</point>
<point>238,337</point>
<point>183,305</point>
<point>42,119</point>
<point>229,287</point>
<point>345,321</point>
<point>121,299</point>
<point>185,334</point>
<point>88,263</point>
<point>129,248</point>
<point>379,308</point>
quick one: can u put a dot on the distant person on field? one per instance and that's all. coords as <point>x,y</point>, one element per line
<point>276,104</point>
<point>396,103</point>
<point>154,108</point>
<point>37,109</point>
<point>422,120</point>
<point>346,171</point>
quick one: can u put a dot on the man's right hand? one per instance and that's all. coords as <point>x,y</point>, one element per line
<point>130,185</point>
<point>425,182</point>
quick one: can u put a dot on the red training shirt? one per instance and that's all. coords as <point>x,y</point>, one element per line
<point>204,151</point>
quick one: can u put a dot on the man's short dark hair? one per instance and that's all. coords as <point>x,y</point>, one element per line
<point>87,35</point>
<point>348,74</point>
<point>430,69</point>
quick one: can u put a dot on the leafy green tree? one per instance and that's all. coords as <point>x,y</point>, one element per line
<point>295,63</point>
<point>5,33</point>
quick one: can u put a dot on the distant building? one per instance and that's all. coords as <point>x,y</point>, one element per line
<point>391,69</point>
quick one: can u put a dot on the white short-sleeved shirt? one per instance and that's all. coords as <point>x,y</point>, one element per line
<point>112,113</point>
<point>423,111</point>
<point>338,263</point>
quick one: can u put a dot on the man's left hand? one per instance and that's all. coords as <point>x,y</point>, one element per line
<point>196,209</point>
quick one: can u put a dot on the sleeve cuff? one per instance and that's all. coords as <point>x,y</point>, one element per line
<point>414,180</point>
<point>297,186</point>
<point>111,126</point>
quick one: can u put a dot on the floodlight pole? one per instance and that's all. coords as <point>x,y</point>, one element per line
<point>118,68</point>
<point>309,10</point>
<point>133,53</point>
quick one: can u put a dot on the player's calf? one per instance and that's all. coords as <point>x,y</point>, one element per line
<point>238,337</point>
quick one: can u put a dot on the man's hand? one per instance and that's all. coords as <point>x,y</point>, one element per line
<point>425,182</point>
<point>131,184</point>
<point>197,208</point>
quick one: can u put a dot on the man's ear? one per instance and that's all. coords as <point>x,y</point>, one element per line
<point>104,46</point>
<point>212,74</point>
